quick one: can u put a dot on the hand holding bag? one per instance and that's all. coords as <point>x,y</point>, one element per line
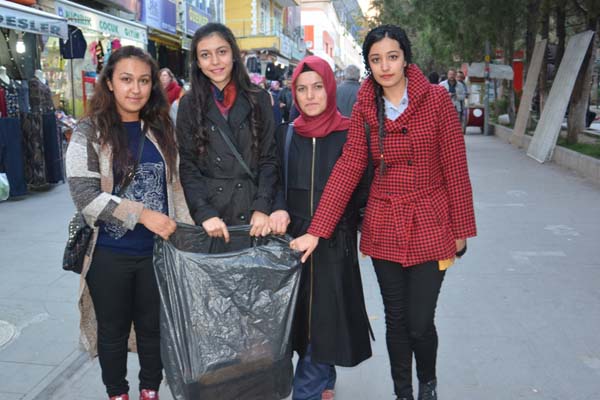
<point>80,233</point>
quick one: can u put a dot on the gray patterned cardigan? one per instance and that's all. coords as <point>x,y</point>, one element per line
<point>90,178</point>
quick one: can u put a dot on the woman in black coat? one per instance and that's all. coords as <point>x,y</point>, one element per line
<point>331,326</point>
<point>222,115</point>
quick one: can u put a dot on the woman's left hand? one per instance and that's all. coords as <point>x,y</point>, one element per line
<point>460,244</point>
<point>260,224</point>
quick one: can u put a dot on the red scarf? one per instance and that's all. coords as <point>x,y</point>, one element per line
<point>329,120</point>
<point>225,98</point>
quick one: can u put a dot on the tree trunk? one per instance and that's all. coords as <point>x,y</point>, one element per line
<point>533,13</point>
<point>543,82</point>
<point>561,32</point>
<point>578,106</point>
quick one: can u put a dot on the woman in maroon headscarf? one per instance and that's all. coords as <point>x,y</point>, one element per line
<point>330,325</point>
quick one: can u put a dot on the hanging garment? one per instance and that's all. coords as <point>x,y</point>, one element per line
<point>23,93</point>
<point>40,97</point>
<point>11,97</point>
<point>52,149</point>
<point>3,110</point>
<point>33,151</point>
<point>75,45</point>
<point>10,145</point>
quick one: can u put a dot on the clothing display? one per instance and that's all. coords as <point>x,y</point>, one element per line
<point>74,46</point>
<point>53,155</point>
<point>33,151</point>
<point>10,145</point>
<point>40,96</point>
<point>11,98</point>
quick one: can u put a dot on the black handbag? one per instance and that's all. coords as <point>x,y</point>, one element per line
<point>80,233</point>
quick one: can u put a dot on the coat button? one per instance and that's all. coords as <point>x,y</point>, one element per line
<point>218,159</point>
<point>242,217</point>
<point>220,189</point>
<point>238,186</point>
<point>404,131</point>
<point>212,128</point>
<point>409,162</point>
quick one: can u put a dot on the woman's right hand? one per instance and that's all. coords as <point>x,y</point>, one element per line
<point>279,221</point>
<point>158,223</point>
<point>215,227</point>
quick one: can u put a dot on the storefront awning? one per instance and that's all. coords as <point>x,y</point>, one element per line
<point>84,17</point>
<point>27,19</point>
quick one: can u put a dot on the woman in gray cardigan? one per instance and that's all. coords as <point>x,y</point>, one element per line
<point>127,120</point>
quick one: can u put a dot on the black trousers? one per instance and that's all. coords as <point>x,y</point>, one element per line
<point>124,291</point>
<point>409,298</point>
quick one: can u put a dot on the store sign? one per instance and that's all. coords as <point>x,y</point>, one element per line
<point>86,18</point>
<point>19,18</point>
<point>160,14</point>
<point>286,46</point>
<point>195,16</point>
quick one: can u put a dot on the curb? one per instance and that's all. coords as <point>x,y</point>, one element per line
<point>63,372</point>
<point>586,166</point>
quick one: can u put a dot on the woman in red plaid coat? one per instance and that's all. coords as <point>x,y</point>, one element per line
<point>420,208</point>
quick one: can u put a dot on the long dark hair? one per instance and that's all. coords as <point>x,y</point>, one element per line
<point>103,114</point>
<point>375,35</point>
<point>201,92</point>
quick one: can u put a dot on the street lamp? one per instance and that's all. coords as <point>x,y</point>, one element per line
<point>20,46</point>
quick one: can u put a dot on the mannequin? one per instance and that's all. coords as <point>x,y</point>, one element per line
<point>3,75</point>
<point>40,75</point>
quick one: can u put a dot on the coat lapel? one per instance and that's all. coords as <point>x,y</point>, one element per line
<point>238,114</point>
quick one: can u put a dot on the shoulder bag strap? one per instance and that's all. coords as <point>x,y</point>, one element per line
<point>238,156</point>
<point>286,154</point>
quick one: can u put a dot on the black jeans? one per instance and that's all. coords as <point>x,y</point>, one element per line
<point>409,298</point>
<point>124,290</point>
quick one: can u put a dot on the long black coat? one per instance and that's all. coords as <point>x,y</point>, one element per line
<point>215,184</point>
<point>330,312</point>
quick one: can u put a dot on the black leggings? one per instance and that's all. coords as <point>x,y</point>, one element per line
<point>124,290</point>
<point>409,298</point>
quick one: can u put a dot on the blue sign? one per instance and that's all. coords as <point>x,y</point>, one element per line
<point>196,15</point>
<point>160,14</point>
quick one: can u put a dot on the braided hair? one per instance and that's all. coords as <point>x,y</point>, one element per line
<point>375,35</point>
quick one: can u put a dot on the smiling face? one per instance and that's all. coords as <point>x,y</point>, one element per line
<point>131,84</point>
<point>215,59</point>
<point>311,95</point>
<point>387,63</point>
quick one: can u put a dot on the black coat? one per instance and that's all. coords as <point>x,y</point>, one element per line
<point>215,183</point>
<point>330,312</point>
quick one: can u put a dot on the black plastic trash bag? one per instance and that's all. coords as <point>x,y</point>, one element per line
<point>226,314</point>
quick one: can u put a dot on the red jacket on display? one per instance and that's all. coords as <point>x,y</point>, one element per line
<point>423,202</point>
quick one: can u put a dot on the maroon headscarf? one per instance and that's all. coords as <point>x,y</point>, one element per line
<point>329,120</point>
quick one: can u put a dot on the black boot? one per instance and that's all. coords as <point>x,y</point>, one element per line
<point>427,390</point>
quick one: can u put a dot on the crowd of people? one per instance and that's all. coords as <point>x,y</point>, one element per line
<point>301,157</point>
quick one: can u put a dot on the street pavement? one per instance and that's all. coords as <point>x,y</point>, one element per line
<point>518,316</point>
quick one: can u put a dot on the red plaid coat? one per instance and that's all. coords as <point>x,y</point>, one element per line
<point>424,201</point>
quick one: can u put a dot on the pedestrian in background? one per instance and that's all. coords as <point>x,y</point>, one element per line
<point>420,207</point>
<point>347,90</point>
<point>330,326</point>
<point>169,83</point>
<point>224,114</point>
<point>127,123</point>
<point>456,90</point>
<point>434,78</point>
<point>285,100</point>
